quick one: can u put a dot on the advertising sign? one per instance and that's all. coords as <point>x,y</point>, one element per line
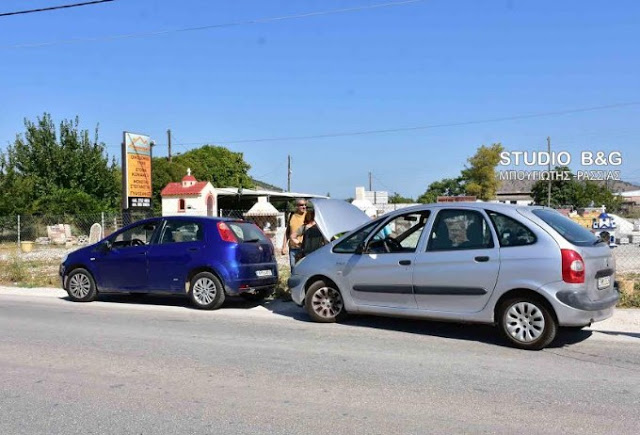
<point>136,171</point>
<point>456,199</point>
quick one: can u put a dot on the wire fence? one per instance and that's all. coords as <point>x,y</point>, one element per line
<point>64,229</point>
<point>76,230</point>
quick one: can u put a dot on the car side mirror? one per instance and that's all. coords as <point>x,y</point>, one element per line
<point>106,246</point>
<point>360,248</point>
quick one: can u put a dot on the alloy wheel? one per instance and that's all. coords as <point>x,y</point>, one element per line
<point>79,285</point>
<point>204,291</point>
<point>327,302</point>
<point>524,322</point>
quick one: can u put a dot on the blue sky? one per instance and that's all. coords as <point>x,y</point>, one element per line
<point>426,63</point>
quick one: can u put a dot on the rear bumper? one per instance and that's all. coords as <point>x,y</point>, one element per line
<point>580,301</point>
<point>573,306</point>
<point>250,286</point>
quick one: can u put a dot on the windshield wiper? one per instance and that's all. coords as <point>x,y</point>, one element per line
<point>252,240</point>
<point>598,241</point>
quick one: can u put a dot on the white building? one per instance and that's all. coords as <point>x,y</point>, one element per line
<point>376,203</point>
<point>189,197</point>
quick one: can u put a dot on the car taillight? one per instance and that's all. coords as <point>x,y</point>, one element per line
<point>572,267</point>
<point>226,234</point>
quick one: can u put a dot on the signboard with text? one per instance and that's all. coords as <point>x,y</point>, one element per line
<point>136,171</point>
<point>456,199</point>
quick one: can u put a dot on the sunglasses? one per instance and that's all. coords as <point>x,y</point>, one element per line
<point>301,205</point>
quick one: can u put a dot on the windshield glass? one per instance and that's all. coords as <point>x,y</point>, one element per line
<point>570,230</point>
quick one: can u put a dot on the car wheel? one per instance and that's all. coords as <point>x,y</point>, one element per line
<point>80,286</point>
<point>324,303</point>
<point>206,291</point>
<point>258,296</point>
<point>527,323</point>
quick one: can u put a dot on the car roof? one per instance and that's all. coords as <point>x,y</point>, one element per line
<point>495,206</point>
<point>191,217</point>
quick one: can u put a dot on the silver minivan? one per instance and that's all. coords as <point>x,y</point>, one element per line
<point>527,269</point>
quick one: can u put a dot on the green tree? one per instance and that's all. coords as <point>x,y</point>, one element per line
<point>218,165</point>
<point>444,187</point>
<point>396,198</point>
<point>164,172</point>
<point>480,177</point>
<point>563,192</point>
<point>594,194</point>
<point>574,193</point>
<point>44,165</point>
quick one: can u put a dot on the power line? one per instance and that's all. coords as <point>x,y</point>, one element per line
<point>423,127</point>
<point>216,26</point>
<point>53,8</point>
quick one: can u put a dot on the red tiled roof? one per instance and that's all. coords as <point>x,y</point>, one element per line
<point>177,189</point>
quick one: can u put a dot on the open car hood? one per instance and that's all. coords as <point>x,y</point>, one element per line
<point>334,216</point>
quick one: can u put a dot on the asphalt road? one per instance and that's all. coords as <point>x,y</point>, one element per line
<point>155,366</point>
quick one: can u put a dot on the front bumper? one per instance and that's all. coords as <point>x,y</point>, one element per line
<point>63,277</point>
<point>296,287</point>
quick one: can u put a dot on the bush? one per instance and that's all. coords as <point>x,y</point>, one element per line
<point>16,270</point>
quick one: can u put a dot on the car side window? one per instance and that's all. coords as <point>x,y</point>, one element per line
<point>351,243</point>
<point>401,234</point>
<point>459,230</point>
<point>138,235</point>
<point>510,231</point>
<point>177,231</point>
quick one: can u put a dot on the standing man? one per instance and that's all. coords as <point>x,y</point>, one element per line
<point>296,220</point>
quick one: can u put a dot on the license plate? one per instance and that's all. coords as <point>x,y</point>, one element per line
<point>264,273</point>
<point>604,282</point>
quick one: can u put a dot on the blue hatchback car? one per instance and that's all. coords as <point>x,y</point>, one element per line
<point>204,258</point>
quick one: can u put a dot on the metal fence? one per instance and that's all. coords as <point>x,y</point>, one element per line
<point>77,228</point>
<point>62,229</point>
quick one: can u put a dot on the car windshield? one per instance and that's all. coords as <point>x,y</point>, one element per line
<point>568,229</point>
<point>247,232</point>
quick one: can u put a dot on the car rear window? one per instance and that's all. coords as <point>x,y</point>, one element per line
<point>570,230</point>
<point>247,232</point>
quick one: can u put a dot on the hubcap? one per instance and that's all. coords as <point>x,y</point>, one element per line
<point>204,291</point>
<point>524,322</point>
<point>79,285</point>
<point>327,302</point>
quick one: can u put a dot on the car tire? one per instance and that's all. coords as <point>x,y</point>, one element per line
<point>324,303</point>
<point>206,291</point>
<point>258,296</point>
<point>527,322</point>
<point>81,287</point>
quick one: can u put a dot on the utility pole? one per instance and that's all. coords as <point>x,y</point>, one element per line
<point>289,173</point>
<point>369,181</point>
<point>169,142</point>
<point>549,174</point>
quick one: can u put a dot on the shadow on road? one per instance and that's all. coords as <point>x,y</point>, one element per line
<point>459,331</point>
<point>618,333</point>
<point>168,300</point>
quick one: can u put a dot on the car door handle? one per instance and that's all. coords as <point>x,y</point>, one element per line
<point>404,262</point>
<point>482,259</point>
<point>193,249</point>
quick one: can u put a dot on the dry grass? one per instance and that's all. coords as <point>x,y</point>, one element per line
<point>29,273</point>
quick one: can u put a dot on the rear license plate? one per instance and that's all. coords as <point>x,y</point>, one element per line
<point>604,282</point>
<point>264,273</point>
